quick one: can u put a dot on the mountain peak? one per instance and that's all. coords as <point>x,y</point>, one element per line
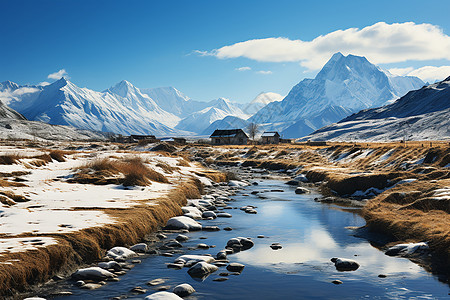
<point>336,56</point>
<point>9,85</point>
<point>122,88</point>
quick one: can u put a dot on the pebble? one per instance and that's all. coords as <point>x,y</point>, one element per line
<point>181,238</point>
<point>228,229</point>
<point>167,254</point>
<point>157,281</point>
<point>138,290</point>
<point>219,279</point>
<point>337,282</point>
<point>276,246</point>
<point>161,236</point>
<point>202,246</point>
<point>235,267</point>
<point>163,288</point>
<point>183,290</point>
<point>175,266</point>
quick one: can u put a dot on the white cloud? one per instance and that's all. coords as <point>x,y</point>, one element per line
<point>58,75</point>
<point>44,83</point>
<point>427,73</point>
<point>380,43</point>
<point>243,69</point>
<point>264,72</point>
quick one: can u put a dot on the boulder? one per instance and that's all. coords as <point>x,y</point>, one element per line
<point>343,264</point>
<point>183,290</point>
<point>141,247</point>
<point>301,190</point>
<point>110,265</point>
<point>202,269</point>
<point>181,238</point>
<point>163,296</point>
<point>196,258</point>
<point>120,253</point>
<point>406,250</point>
<point>173,244</point>
<point>192,212</point>
<point>209,214</point>
<point>240,242</point>
<point>92,273</point>
<point>224,215</point>
<point>235,267</point>
<point>183,222</point>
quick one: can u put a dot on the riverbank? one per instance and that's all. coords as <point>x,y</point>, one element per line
<point>406,187</point>
<point>64,205</point>
<point>294,239</point>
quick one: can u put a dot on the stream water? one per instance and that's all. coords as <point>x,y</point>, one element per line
<point>310,233</point>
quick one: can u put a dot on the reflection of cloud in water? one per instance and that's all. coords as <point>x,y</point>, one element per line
<point>273,211</point>
<point>318,248</point>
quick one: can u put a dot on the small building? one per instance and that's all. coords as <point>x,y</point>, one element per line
<point>137,137</point>
<point>270,137</point>
<point>229,137</point>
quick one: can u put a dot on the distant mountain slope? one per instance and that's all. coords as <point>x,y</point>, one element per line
<point>422,114</point>
<point>346,84</point>
<point>121,109</point>
<point>8,113</point>
<point>31,130</point>
<point>229,122</point>
<point>172,100</point>
<point>219,109</point>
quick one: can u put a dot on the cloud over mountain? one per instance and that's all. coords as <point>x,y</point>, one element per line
<point>380,43</point>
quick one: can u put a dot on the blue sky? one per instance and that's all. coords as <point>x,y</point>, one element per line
<point>154,43</point>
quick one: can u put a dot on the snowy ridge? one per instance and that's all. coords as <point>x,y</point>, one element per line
<point>346,84</point>
<point>121,109</point>
<point>422,114</point>
<point>199,121</point>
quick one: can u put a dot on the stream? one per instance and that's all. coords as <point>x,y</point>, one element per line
<point>310,233</point>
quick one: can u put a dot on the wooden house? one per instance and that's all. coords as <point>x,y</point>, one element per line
<point>270,137</point>
<point>229,137</point>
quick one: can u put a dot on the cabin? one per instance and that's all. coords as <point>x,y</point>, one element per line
<point>270,137</point>
<point>229,137</point>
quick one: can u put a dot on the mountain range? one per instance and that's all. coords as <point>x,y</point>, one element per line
<point>345,85</point>
<point>422,114</point>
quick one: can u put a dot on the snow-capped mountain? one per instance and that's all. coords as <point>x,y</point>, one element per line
<point>218,110</point>
<point>172,100</point>
<point>422,114</point>
<point>346,84</point>
<point>229,122</point>
<point>121,109</point>
<point>259,102</point>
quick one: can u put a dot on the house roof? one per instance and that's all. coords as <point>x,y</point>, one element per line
<point>227,133</point>
<point>270,134</point>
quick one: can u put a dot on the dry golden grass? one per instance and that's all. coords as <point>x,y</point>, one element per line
<point>129,172</point>
<point>166,167</point>
<point>14,197</point>
<point>9,159</point>
<point>58,155</point>
<point>7,183</point>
